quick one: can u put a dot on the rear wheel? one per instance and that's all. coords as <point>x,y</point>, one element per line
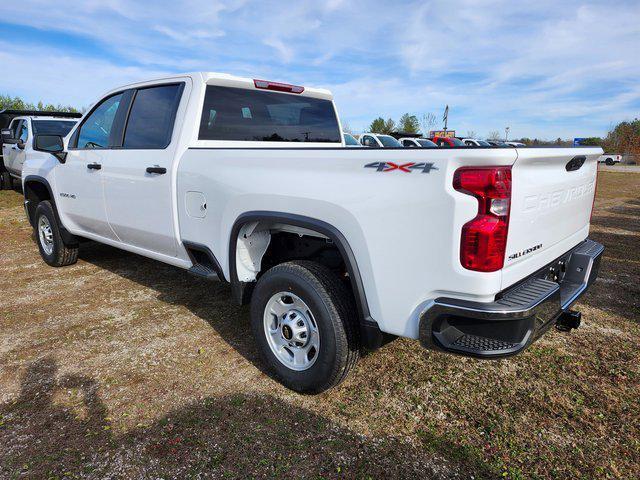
<point>53,249</point>
<point>304,321</point>
<point>609,161</point>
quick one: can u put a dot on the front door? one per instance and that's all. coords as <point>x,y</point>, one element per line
<point>138,176</point>
<point>79,184</point>
<point>13,153</point>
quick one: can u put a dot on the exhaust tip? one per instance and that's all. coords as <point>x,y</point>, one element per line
<point>568,320</point>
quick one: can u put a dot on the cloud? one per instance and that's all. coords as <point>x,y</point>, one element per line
<point>543,70</point>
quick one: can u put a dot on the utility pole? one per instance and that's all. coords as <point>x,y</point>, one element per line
<point>446,118</point>
<point>506,133</point>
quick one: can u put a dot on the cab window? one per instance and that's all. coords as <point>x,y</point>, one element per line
<point>23,132</point>
<point>369,141</point>
<point>249,115</point>
<point>14,127</point>
<point>152,116</point>
<point>96,129</point>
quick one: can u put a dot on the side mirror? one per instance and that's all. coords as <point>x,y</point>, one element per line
<point>7,136</point>
<point>52,144</point>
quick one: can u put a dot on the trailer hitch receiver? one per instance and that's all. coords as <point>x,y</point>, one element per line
<point>568,320</point>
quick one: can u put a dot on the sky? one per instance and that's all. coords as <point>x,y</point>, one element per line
<point>545,69</point>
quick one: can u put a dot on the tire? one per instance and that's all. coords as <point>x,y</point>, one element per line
<point>5,181</point>
<point>330,323</point>
<point>53,249</point>
<point>609,161</point>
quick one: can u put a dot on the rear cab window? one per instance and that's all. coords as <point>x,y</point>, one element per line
<point>240,114</point>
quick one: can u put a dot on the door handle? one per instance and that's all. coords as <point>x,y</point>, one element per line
<point>158,170</point>
<point>94,166</point>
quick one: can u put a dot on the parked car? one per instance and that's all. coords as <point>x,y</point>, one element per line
<point>498,143</point>
<point>17,141</point>
<point>447,142</point>
<point>516,144</point>
<point>7,117</point>
<point>473,142</point>
<point>417,143</point>
<point>335,249</point>
<point>378,140</point>
<point>350,140</point>
<point>610,158</point>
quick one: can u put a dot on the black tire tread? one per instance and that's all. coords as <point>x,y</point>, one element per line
<point>64,254</point>
<point>348,313</point>
<point>5,181</point>
<point>335,294</point>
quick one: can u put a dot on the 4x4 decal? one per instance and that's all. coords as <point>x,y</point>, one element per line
<point>404,167</point>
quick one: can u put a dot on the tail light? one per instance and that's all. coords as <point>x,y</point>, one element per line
<point>484,239</point>
<point>278,87</point>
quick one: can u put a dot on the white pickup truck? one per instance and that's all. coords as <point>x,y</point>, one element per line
<point>610,159</point>
<point>17,140</point>
<point>474,251</point>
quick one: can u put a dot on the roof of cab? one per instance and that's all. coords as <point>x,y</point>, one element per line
<point>225,79</point>
<point>214,78</point>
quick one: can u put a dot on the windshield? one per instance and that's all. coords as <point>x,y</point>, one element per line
<point>482,143</point>
<point>457,142</point>
<point>350,140</point>
<point>52,127</point>
<point>388,141</point>
<point>426,143</point>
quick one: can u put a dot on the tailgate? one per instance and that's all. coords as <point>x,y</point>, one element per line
<point>551,200</point>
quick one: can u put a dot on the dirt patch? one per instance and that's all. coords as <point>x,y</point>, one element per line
<point>120,366</point>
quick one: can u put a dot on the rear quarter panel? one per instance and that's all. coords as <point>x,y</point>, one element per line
<point>404,228</point>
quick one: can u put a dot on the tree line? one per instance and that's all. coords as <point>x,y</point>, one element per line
<point>623,138</point>
<point>16,103</point>
<point>408,123</point>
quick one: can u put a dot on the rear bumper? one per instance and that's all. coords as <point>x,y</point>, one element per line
<point>518,316</point>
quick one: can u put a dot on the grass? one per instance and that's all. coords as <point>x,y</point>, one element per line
<point>123,367</point>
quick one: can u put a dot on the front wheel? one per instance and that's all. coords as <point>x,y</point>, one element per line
<point>53,249</point>
<point>609,161</point>
<point>5,181</point>
<point>304,321</point>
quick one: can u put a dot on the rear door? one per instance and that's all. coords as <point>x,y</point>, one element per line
<point>551,201</point>
<point>138,176</point>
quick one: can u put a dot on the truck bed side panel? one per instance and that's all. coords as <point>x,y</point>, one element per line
<point>403,226</point>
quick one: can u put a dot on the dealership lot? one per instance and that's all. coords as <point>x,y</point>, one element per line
<point>121,366</point>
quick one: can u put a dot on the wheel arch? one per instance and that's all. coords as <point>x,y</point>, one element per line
<point>37,189</point>
<point>319,226</point>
